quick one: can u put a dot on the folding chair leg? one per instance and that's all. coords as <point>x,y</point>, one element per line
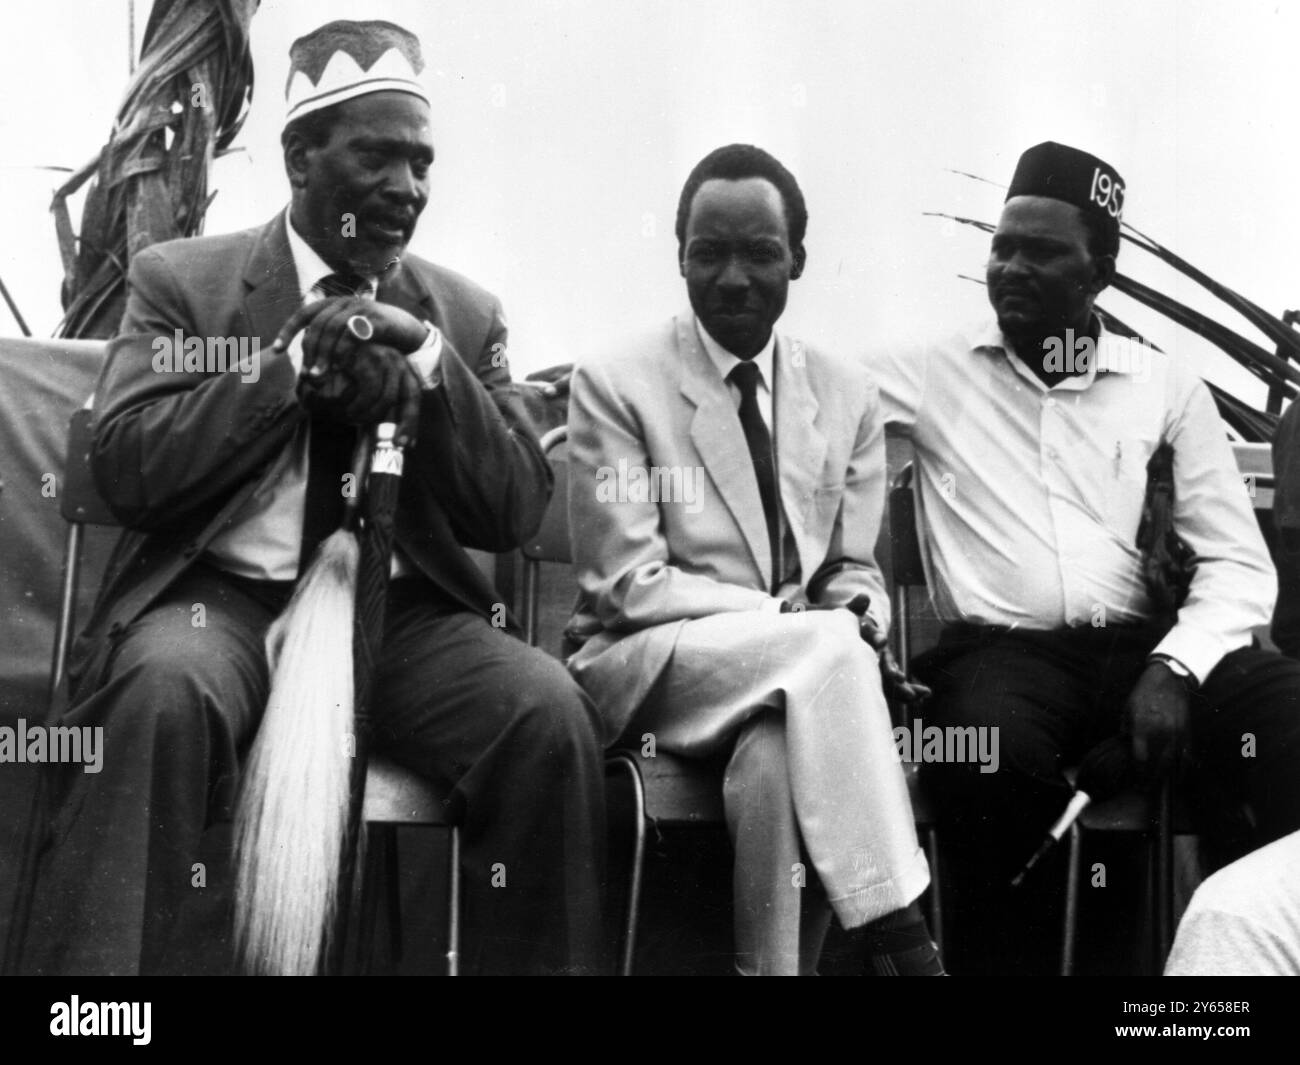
<point>372,888</point>
<point>1164,878</point>
<point>936,880</point>
<point>34,834</point>
<point>1070,928</point>
<point>453,904</point>
<point>638,871</point>
<point>1151,898</point>
<point>29,853</point>
<point>627,951</point>
<point>394,884</point>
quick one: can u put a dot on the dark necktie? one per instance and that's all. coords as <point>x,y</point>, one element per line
<point>745,378</point>
<point>329,452</point>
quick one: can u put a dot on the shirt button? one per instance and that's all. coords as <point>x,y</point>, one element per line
<point>1051,454</point>
<point>1050,401</point>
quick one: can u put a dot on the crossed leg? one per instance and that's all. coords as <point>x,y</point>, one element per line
<point>813,769</point>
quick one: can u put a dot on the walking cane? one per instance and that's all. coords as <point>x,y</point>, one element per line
<point>299,812</point>
<point>383,484</point>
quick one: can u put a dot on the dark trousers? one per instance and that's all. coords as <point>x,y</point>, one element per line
<point>1052,696</point>
<point>137,878</point>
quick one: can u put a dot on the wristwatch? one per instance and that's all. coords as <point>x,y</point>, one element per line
<point>1177,669</point>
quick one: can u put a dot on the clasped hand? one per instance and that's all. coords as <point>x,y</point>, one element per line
<point>359,382</point>
<point>1155,719</point>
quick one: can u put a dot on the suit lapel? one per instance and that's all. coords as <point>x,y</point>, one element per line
<point>800,445</point>
<point>403,288</point>
<point>272,282</point>
<point>720,442</point>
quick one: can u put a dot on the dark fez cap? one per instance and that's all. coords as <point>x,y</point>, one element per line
<point>1064,173</point>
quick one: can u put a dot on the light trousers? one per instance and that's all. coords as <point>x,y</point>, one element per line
<point>815,799</point>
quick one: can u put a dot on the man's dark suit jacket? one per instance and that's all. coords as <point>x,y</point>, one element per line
<point>177,455</point>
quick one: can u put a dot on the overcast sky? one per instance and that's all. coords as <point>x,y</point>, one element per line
<point>565,129</point>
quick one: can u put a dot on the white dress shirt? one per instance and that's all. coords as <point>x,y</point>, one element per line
<point>1030,497</point>
<point>265,539</point>
<point>765,360</point>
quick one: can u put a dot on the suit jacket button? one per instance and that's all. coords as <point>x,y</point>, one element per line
<point>115,629</point>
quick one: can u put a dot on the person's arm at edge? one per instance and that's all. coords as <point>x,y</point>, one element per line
<point>1235,586</point>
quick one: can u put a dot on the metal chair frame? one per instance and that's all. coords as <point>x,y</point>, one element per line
<point>550,544</point>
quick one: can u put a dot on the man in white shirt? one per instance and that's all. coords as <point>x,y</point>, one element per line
<point>226,480</point>
<point>730,605</point>
<point>1032,437</point>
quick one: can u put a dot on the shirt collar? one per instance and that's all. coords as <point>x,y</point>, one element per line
<point>726,362</point>
<point>309,266</point>
<point>1115,354</point>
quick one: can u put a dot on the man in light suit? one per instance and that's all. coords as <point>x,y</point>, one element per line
<point>725,498</point>
<point>224,479</point>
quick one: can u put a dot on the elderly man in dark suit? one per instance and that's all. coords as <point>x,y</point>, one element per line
<point>226,480</point>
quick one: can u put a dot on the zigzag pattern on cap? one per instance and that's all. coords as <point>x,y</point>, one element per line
<point>365,42</point>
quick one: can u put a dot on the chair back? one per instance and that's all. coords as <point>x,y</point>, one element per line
<point>906,562</point>
<point>551,541</point>
<point>81,501</point>
<point>1255,463</point>
<point>81,505</point>
<point>904,537</point>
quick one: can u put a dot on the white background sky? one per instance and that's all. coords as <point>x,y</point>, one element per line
<point>565,129</point>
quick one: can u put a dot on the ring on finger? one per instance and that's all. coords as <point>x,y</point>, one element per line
<point>361,327</point>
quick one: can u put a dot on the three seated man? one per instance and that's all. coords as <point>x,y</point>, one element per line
<point>746,622</point>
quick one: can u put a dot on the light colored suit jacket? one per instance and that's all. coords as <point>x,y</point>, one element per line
<point>664,508</point>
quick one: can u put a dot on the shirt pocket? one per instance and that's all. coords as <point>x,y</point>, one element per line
<point>1126,477</point>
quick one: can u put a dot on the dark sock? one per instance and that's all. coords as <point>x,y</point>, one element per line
<point>899,944</point>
